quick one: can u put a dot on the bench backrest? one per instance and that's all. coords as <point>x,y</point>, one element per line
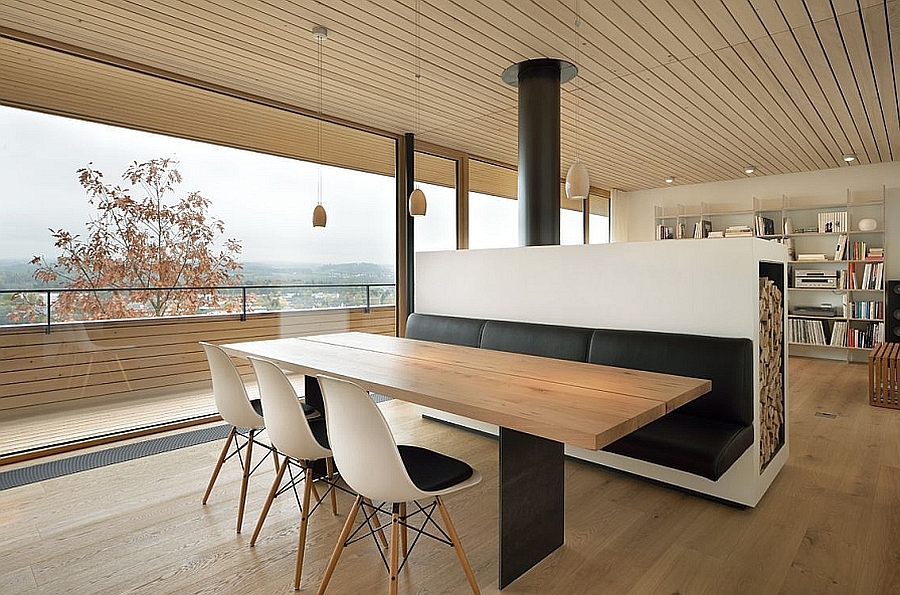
<point>727,362</point>
<point>560,342</point>
<point>444,329</point>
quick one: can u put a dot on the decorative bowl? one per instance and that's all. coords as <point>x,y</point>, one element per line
<point>867,224</point>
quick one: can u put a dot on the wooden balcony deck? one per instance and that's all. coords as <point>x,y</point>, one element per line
<point>94,383</point>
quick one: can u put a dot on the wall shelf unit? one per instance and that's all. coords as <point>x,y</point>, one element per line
<point>836,270</point>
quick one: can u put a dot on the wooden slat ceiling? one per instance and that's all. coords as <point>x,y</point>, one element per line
<point>696,89</point>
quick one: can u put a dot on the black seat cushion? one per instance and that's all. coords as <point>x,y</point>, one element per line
<point>697,445</point>
<point>444,329</point>
<point>560,342</point>
<point>432,471</point>
<point>317,426</point>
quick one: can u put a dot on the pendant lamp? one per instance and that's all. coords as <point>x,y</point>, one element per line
<point>417,203</point>
<point>578,180</point>
<point>320,34</point>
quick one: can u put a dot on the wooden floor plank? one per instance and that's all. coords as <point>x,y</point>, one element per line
<point>830,523</point>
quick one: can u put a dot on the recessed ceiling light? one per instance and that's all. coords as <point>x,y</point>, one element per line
<point>670,179</point>
<point>849,157</point>
<point>749,169</point>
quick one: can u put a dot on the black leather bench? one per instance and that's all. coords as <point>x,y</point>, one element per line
<point>703,437</point>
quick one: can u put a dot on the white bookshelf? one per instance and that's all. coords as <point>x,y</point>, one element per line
<point>849,333</point>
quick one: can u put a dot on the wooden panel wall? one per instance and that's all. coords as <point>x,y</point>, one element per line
<point>78,361</point>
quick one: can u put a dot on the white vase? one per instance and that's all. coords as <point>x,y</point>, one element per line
<point>867,224</point>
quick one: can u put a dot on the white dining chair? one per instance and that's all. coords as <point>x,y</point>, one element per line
<point>245,417</point>
<point>379,470</point>
<point>301,442</point>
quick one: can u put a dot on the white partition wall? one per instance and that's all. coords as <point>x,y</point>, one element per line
<point>703,287</point>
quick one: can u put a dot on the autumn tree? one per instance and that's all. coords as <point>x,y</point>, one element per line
<point>145,239</point>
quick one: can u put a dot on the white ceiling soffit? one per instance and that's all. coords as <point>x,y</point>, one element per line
<point>697,89</point>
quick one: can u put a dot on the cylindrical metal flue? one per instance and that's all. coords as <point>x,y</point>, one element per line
<point>538,192</point>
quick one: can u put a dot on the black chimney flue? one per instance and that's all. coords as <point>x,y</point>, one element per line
<point>539,163</point>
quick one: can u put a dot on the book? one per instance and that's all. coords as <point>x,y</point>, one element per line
<point>833,222</point>
<point>841,247</point>
<point>702,228</point>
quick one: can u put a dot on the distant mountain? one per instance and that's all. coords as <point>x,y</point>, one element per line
<point>16,274</point>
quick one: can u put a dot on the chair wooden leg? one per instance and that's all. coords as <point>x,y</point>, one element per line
<point>395,550</point>
<point>245,481</point>
<point>275,458</point>
<point>304,522</point>
<point>345,532</point>
<point>379,529</point>
<point>403,541</point>
<point>218,467</point>
<point>329,466</point>
<point>269,499</point>
<point>451,531</point>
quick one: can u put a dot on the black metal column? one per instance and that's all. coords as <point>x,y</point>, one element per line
<point>410,174</point>
<point>532,501</point>
<point>538,176</point>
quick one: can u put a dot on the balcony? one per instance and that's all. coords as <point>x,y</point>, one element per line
<point>67,384</point>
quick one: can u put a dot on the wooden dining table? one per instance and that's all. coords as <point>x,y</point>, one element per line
<point>539,404</point>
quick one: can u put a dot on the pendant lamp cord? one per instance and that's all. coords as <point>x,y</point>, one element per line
<point>577,83</point>
<point>418,75</point>
<point>319,125</point>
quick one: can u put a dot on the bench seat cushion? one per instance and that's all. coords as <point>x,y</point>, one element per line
<point>702,446</point>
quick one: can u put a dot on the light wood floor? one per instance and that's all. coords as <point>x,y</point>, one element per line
<point>830,524</point>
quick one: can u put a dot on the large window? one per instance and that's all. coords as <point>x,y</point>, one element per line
<point>599,218</point>
<point>265,203</point>
<point>436,176</point>
<point>493,210</point>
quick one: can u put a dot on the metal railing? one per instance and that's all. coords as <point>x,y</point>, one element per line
<point>48,294</point>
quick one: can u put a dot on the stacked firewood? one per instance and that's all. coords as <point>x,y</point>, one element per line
<point>771,373</point>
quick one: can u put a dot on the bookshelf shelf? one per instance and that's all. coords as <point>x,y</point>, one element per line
<point>839,270</point>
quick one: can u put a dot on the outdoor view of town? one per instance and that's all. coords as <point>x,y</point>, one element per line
<point>192,229</point>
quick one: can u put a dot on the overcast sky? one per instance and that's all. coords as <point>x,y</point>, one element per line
<point>266,202</point>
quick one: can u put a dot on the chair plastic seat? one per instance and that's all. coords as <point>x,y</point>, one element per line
<point>432,471</point>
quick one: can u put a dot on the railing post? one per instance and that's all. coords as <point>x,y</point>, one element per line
<point>47,331</point>
<point>243,304</point>
<point>368,298</point>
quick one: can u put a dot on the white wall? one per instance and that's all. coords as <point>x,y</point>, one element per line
<point>829,185</point>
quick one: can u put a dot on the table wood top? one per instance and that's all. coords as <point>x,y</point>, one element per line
<point>586,405</point>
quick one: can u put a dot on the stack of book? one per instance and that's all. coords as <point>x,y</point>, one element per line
<point>738,230</point>
<point>839,334</point>
<point>865,338</point>
<point>873,276</point>
<point>835,222</point>
<point>810,256</point>
<point>875,254</point>
<point>868,310</point>
<point>764,226</point>
<point>856,251</point>
<point>806,331</point>
<point>841,247</point>
<point>702,228</point>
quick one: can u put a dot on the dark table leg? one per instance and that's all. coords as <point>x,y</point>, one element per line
<point>532,501</point>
